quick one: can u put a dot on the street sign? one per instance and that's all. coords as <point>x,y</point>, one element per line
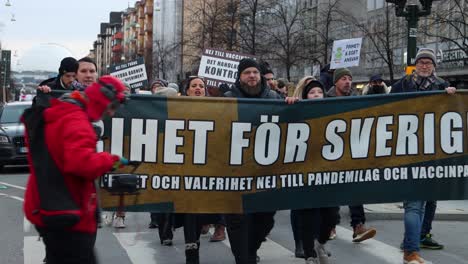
<point>346,53</point>
<point>133,73</point>
<point>220,66</point>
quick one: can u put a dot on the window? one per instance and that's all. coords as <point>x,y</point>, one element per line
<point>375,4</point>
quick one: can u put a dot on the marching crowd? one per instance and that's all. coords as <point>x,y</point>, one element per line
<point>91,99</point>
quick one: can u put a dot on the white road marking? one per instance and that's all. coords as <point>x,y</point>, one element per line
<point>33,251</point>
<point>139,251</point>
<point>13,186</point>
<point>386,253</point>
<point>12,197</point>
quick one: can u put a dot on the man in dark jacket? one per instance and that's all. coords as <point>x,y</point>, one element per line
<point>248,231</point>
<point>65,78</point>
<point>343,86</point>
<point>420,214</point>
<point>60,198</point>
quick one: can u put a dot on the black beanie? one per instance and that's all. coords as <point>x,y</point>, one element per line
<point>309,86</point>
<point>68,64</point>
<point>247,63</point>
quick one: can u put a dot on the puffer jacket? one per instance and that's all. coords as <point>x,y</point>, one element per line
<point>71,143</point>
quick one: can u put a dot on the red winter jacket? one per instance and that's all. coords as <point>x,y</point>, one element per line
<point>71,142</point>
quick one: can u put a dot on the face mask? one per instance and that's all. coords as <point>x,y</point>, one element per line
<point>376,89</point>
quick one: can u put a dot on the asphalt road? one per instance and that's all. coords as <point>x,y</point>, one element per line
<point>137,244</point>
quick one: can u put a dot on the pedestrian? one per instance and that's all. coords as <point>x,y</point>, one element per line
<point>326,77</point>
<point>418,223</point>
<point>246,232</point>
<point>86,74</point>
<point>63,163</point>
<point>376,85</point>
<point>315,223</point>
<point>343,80</point>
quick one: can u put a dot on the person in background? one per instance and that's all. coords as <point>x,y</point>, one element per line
<point>270,78</point>
<point>326,77</point>
<point>158,84</point>
<point>86,74</point>
<point>376,85</point>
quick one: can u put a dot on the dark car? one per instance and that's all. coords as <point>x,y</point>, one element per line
<point>12,146</point>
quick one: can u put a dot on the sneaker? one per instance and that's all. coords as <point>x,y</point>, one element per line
<point>332,234</point>
<point>119,222</point>
<point>219,234</point>
<point>312,260</point>
<point>322,253</point>
<point>413,258</point>
<point>362,233</point>
<point>167,242</point>
<point>152,225</point>
<point>429,243</point>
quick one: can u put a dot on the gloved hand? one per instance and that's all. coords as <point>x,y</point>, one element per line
<point>119,162</point>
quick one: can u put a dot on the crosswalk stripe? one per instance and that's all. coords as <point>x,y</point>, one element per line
<point>386,253</point>
<point>12,185</point>
<point>33,250</point>
<point>139,251</point>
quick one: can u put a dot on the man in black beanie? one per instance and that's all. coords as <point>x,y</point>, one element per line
<point>65,77</point>
<point>248,231</point>
<point>63,81</point>
<point>250,83</point>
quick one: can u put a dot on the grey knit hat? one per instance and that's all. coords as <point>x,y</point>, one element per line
<point>426,53</point>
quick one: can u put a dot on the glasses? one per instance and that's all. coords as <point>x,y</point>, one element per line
<point>425,63</point>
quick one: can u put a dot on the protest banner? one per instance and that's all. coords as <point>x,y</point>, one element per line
<point>220,66</point>
<point>132,73</point>
<point>346,53</point>
<point>230,155</point>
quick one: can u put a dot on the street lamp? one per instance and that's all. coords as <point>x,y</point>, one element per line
<point>412,13</point>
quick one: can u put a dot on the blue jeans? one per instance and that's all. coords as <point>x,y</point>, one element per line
<point>429,214</point>
<point>414,214</point>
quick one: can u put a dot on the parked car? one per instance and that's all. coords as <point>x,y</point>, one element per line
<point>12,146</point>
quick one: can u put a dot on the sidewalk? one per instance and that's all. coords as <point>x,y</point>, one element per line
<point>446,211</point>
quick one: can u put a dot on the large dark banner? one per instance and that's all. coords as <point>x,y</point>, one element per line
<point>215,155</point>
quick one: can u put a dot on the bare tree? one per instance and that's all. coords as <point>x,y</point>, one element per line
<point>449,23</point>
<point>383,36</point>
<point>163,59</point>
<point>325,20</point>
<point>287,34</point>
<point>251,24</point>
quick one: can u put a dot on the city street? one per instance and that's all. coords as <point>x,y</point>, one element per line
<point>137,244</point>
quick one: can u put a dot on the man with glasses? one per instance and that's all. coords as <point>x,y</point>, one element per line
<point>419,215</point>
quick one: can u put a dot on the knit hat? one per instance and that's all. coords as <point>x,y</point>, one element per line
<point>173,86</point>
<point>426,53</point>
<point>247,63</point>
<point>162,82</point>
<point>376,77</point>
<point>340,73</point>
<point>68,64</point>
<point>101,94</point>
<point>310,85</point>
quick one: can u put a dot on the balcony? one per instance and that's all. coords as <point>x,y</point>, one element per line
<point>149,26</point>
<point>117,48</point>
<point>118,35</point>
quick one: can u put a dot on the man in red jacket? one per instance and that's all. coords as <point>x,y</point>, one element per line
<point>60,198</point>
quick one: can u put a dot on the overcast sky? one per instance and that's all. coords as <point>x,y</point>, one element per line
<point>72,24</point>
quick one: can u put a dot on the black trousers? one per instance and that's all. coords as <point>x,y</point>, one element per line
<point>165,224</point>
<point>246,234</point>
<point>68,247</point>
<point>323,219</point>
<point>357,215</point>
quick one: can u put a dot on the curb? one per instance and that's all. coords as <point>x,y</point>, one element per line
<point>399,216</point>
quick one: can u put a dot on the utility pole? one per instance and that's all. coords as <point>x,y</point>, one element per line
<point>412,13</point>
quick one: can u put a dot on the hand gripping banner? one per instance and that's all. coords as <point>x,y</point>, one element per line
<point>218,155</point>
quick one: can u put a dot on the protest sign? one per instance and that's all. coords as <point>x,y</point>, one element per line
<point>233,155</point>
<point>219,66</point>
<point>346,53</point>
<point>132,73</point>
